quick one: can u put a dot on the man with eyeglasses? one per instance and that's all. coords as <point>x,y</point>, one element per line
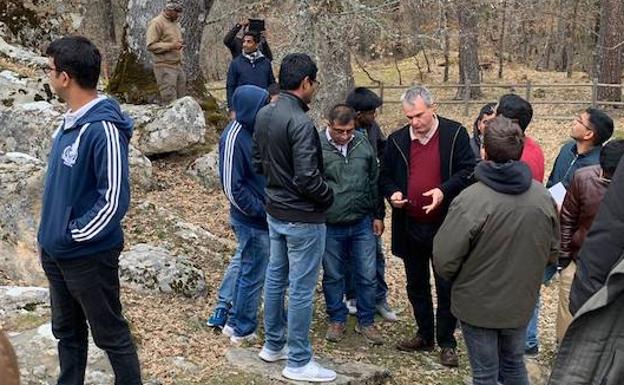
<point>365,103</point>
<point>351,171</point>
<point>426,164</point>
<point>589,131</point>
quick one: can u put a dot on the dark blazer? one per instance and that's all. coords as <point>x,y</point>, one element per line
<point>457,163</point>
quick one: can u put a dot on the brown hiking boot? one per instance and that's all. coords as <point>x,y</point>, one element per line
<point>448,357</point>
<point>370,333</point>
<point>335,332</point>
<point>415,344</point>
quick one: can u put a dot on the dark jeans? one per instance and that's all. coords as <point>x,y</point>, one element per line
<point>82,290</point>
<point>417,271</point>
<point>381,294</point>
<point>496,355</point>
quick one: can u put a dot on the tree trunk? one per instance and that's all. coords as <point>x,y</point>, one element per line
<point>501,47</point>
<point>468,15</point>
<point>610,46</point>
<point>133,80</point>
<point>570,46</point>
<point>323,33</point>
<point>447,46</point>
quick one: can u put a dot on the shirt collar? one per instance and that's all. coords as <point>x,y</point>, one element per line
<point>71,117</point>
<point>424,139</point>
<point>340,147</point>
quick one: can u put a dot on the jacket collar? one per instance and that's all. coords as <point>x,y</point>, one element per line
<point>292,98</point>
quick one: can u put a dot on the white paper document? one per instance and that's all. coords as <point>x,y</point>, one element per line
<point>558,193</point>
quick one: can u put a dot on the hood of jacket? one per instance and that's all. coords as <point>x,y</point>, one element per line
<point>106,110</point>
<point>513,177</point>
<point>247,101</point>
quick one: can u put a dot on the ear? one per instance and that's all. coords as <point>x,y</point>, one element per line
<point>589,135</point>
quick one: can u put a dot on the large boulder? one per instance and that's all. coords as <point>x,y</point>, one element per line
<point>206,169</point>
<point>150,268</point>
<point>170,128</point>
<point>21,186</point>
<point>37,355</point>
<point>28,128</point>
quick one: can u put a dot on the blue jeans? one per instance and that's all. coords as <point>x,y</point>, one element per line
<point>253,244</point>
<point>532,339</point>
<point>496,355</point>
<point>354,245</point>
<point>381,292</point>
<point>296,252</point>
<point>227,290</point>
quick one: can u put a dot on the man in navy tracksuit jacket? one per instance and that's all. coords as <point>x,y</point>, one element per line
<point>85,198</point>
<point>245,191</point>
<point>252,67</point>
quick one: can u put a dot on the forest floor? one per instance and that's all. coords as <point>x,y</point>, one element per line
<point>167,326</point>
<point>182,331</point>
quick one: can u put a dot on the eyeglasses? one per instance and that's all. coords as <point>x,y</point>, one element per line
<point>47,69</point>
<point>580,121</point>
<point>347,131</point>
<point>314,81</point>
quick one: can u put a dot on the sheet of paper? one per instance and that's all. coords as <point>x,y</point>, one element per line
<point>558,193</point>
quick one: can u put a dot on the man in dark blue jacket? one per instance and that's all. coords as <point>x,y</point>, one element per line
<point>85,198</point>
<point>245,191</point>
<point>252,67</point>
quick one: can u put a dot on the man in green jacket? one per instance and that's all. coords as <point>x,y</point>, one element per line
<point>494,245</point>
<point>353,220</point>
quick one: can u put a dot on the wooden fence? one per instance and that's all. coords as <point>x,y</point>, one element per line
<point>528,87</point>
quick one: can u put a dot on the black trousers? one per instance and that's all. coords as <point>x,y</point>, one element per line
<point>86,290</point>
<point>417,271</point>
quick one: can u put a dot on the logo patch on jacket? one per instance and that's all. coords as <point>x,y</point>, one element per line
<point>70,154</point>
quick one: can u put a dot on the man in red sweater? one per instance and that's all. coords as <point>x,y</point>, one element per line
<point>425,165</point>
<point>519,110</point>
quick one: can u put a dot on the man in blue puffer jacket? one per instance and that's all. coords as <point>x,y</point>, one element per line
<point>86,196</point>
<point>245,191</point>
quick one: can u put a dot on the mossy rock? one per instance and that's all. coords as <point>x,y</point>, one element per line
<point>132,82</point>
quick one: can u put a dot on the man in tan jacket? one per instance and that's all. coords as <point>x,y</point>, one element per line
<point>164,41</point>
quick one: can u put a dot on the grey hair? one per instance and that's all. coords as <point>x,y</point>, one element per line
<point>413,92</point>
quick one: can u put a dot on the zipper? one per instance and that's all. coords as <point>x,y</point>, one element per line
<point>570,167</point>
<point>453,152</point>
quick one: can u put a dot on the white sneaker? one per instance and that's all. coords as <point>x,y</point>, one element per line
<point>386,312</point>
<point>237,340</point>
<point>271,356</point>
<point>311,372</point>
<point>351,306</point>
<point>227,331</point>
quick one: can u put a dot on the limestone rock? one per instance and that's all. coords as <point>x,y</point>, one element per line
<point>206,169</point>
<point>140,169</point>
<point>151,268</point>
<point>16,300</point>
<point>37,355</point>
<point>170,128</point>
<point>28,128</point>
<point>21,54</point>
<point>349,372</point>
<point>21,187</point>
